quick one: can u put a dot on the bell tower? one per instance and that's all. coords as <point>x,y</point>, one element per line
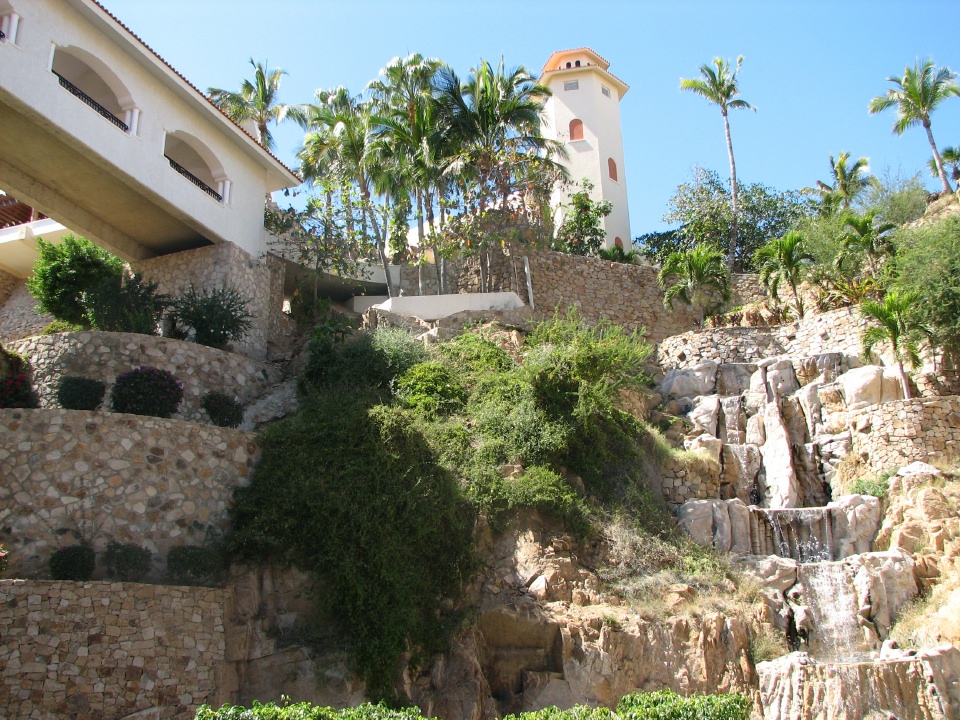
<point>584,114</point>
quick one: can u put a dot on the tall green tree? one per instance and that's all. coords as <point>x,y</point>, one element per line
<point>257,102</point>
<point>896,325</point>
<point>718,84</point>
<point>782,260</point>
<point>862,233</point>
<point>916,95</point>
<point>697,277</point>
<point>950,157</point>
<point>848,182</point>
<point>582,230</point>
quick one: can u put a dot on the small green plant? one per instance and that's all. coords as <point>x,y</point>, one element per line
<point>4,559</point>
<point>73,562</point>
<point>305,711</point>
<point>16,391</point>
<point>217,316</point>
<point>367,358</point>
<point>667,705</point>
<point>126,561</point>
<point>871,485</point>
<point>147,391</point>
<point>60,326</point>
<point>539,488</point>
<point>194,565</point>
<point>130,304</point>
<point>430,388</point>
<point>473,354</point>
<point>222,409</point>
<point>767,644</point>
<point>79,393</point>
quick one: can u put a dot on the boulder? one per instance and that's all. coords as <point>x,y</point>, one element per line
<point>705,444</point>
<point>864,386</point>
<point>690,382</point>
<point>696,519</point>
<point>781,379</point>
<point>809,398</point>
<point>775,573</point>
<point>705,414</point>
<point>918,468</point>
<point>733,420</point>
<point>854,522</point>
<point>739,515</point>
<point>779,485</point>
<point>734,378</point>
<point>741,465</point>
<point>755,434</point>
<point>885,583</point>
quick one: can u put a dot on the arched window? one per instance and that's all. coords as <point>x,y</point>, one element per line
<point>10,23</point>
<point>197,163</point>
<point>618,242</point>
<point>576,129</point>
<point>577,63</point>
<point>569,66</point>
<point>612,168</point>
<point>91,81</point>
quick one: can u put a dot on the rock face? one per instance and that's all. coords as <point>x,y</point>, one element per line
<point>926,685</point>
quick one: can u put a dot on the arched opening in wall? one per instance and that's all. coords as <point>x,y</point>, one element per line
<point>10,23</point>
<point>197,163</point>
<point>88,78</point>
<point>618,242</point>
<point>612,168</point>
<point>577,63</point>
<point>576,130</point>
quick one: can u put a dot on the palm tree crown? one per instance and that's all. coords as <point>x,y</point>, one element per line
<point>862,233</point>
<point>787,260</point>
<point>848,182</point>
<point>718,84</point>
<point>699,278</point>
<point>916,95</point>
<point>894,325</point>
<point>256,102</point>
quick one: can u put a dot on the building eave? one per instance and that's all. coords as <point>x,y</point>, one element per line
<point>619,84</point>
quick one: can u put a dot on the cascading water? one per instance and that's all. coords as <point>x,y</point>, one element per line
<point>803,534</point>
<point>834,633</point>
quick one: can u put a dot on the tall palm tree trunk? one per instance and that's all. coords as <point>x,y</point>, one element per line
<point>734,225</point>
<point>903,380</point>
<point>937,159</point>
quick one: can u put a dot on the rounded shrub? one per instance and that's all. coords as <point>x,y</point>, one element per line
<point>60,326</point>
<point>147,391</point>
<point>430,388</point>
<point>127,561</point>
<point>80,393</point>
<point>74,562</point>
<point>194,565</point>
<point>222,409</point>
<point>217,316</point>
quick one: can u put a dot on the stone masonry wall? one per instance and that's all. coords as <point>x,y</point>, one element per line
<point>104,356</point>
<point>103,651</point>
<point>18,317</point>
<point>215,266</point>
<point>894,434</point>
<point>106,476</point>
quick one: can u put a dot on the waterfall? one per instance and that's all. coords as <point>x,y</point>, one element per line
<point>834,633</point>
<point>802,534</point>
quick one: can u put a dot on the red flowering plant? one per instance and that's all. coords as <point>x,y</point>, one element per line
<point>17,392</point>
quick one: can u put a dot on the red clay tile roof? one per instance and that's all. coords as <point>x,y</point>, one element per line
<point>194,87</point>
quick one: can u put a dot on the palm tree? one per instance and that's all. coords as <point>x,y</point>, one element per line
<point>718,85</point>
<point>918,93</point>
<point>949,157</point>
<point>897,326</point>
<point>784,259</point>
<point>848,183</point>
<point>862,233</point>
<point>256,102</point>
<point>697,277</point>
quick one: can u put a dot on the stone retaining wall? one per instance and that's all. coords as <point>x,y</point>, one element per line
<point>103,651</point>
<point>157,483</point>
<point>894,434</point>
<point>104,356</point>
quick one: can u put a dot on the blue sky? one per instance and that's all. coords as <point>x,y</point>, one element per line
<point>810,68</point>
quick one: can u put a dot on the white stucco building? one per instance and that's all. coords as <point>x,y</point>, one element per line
<point>98,132</point>
<point>584,114</point>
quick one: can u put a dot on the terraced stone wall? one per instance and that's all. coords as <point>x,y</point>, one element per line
<point>104,651</point>
<point>106,476</point>
<point>104,356</point>
<point>894,434</point>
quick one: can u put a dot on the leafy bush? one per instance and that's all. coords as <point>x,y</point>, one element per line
<point>222,409</point>
<point>305,711</point>
<point>147,391</point>
<point>16,391</point>
<point>64,272</point>
<point>74,562</point>
<point>216,316</point>
<point>667,705</point>
<point>430,388</point>
<point>371,359</point>
<point>871,485</point>
<point>194,565</point>
<point>79,393</point>
<point>60,326</point>
<point>125,305</point>
<point>127,561</point>
<point>472,354</point>
<point>4,559</point>
<point>383,526</point>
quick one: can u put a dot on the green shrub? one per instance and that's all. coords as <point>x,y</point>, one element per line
<point>871,485</point>
<point>60,326</point>
<point>64,272</point>
<point>16,391</point>
<point>367,358</point>
<point>125,305</point>
<point>146,391</point>
<point>79,393</point>
<point>382,525</point>
<point>305,711</point>
<point>194,565</point>
<point>126,561</point>
<point>74,562</point>
<point>222,409</point>
<point>430,388</point>
<point>472,354</point>
<point>667,705</point>
<point>216,316</point>
<point>577,712</point>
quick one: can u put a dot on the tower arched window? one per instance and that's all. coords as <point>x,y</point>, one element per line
<point>576,129</point>
<point>612,168</point>
<point>196,162</point>
<point>618,242</point>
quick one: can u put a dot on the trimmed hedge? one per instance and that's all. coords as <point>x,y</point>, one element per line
<point>80,393</point>
<point>74,562</point>
<point>147,391</point>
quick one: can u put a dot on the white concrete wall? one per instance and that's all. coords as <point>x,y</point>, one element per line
<point>166,105</point>
<point>602,139</point>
